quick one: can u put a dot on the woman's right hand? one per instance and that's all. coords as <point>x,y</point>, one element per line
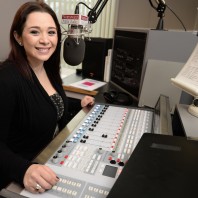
<point>39,178</point>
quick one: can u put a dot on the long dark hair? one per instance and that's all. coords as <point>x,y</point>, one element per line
<point>17,53</point>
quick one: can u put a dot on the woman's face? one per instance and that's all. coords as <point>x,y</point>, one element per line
<point>39,37</point>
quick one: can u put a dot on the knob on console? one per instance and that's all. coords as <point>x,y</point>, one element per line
<point>64,147</point>
<point>68,143</point>
<point>121,163</point>
<point>113,153</point>
<point>113,161</point>
<point>55,159</point>
<point>100,150</point>
<point>59,153</point>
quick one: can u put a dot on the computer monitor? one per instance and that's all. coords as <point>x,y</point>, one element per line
<point>127,60</point>
<point>133,48</point>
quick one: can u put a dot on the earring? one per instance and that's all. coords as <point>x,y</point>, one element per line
<point>20,43</point>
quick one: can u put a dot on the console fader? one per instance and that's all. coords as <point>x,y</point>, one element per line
<point>94,154</point>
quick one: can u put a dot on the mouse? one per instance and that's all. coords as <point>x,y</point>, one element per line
<point>120,98</point>
<point>124,99</point>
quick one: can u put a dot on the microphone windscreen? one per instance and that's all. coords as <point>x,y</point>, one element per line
<point>73,53</point>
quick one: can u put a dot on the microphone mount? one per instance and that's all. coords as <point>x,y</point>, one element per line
<point>96,10</point>
<point>79,25</point>
<point>160,9</point>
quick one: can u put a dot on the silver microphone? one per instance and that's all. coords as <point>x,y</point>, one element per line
<point>74,44</point>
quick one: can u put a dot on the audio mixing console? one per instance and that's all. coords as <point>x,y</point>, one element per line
<point>94,154</point>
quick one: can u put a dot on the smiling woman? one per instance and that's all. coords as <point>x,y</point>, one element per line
<point>34,107</point>
<point>39,40</point>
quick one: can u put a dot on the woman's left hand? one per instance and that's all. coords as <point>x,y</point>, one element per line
<point>87,100</point>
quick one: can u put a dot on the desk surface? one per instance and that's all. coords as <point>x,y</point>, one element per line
<point>99,97</point>
<point>189,122</point>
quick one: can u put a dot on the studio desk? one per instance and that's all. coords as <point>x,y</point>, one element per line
<point>136,162</point>
<point>91,164</point>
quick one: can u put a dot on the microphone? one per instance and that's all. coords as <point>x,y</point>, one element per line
<point>74,44</point>
<point>73,52</point>
<point>78,26</point>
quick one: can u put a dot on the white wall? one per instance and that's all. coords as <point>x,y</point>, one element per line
<point>139,13</point>
<point>131,13</point>
<point>8,9</point>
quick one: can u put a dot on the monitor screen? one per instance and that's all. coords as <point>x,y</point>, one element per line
<point>127,60</point>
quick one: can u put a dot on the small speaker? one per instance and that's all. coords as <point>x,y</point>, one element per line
<point>96,51</point>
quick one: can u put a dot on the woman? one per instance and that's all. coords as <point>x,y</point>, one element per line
<point>33,105</point>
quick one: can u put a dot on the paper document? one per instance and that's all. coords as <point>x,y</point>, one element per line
<point>88,84</point>
<point>65,72</point>
<point>187,78</point>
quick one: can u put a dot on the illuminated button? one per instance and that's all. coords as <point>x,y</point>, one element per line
<point>64,190</point>
<point>68,182</point>
<point>70,164</point>
<point>59,188</point>
<point>106,192</point>
<point>69,192</point>
<point>113,144</point>
<point>74,166</point>
<point>110,158</point>
<point>95,189</point>
<point>62,162</point>
<point>75,140</point>
<point>54,187</point>
<point>74,193</point>
<point>90,188</point>
<point>101,191</point>
<point>66,163</point>
<point>99,157</point>
<point>94,156</point>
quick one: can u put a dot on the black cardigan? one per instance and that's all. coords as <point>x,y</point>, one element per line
<point>27,121</point>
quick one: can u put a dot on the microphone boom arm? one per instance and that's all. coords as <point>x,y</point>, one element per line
<point>152,5</point>
<point>94,14</point>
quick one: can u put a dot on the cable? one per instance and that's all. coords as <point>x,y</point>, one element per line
<point>176,16</point>
<point>77,7</point>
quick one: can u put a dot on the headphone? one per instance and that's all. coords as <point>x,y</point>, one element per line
<point>119,98</point>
